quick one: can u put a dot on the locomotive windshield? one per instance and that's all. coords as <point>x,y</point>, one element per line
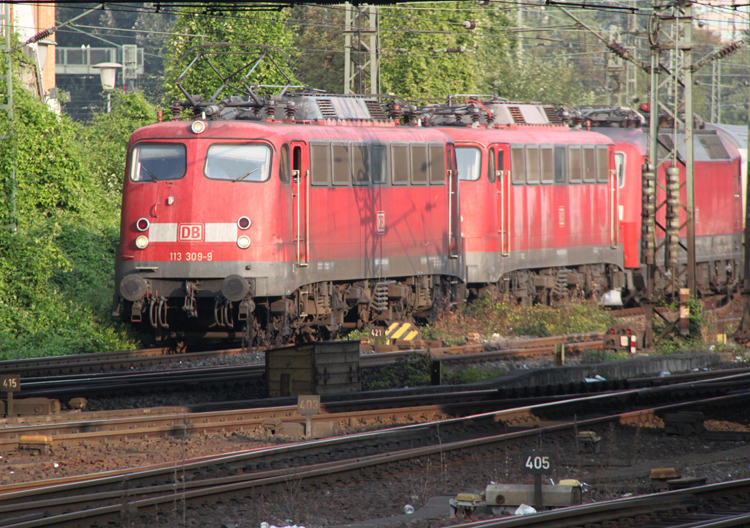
<point>237,162</point>
<point>158,161</point>
<point>469,161</point>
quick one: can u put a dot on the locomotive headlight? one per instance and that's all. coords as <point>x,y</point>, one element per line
<point>197,127</point>
<point>141,224</point>
<point>244,222</point>
<point>243,242</point>
<point>141,242</point>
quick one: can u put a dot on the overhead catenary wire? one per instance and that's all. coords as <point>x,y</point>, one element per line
<point>497,7</point>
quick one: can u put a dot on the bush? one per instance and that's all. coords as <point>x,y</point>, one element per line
<point>57,270</point>
<point>490,316</point>
<point>408,371</point>
<point>472,375</point>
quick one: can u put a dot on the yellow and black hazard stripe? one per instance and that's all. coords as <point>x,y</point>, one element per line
<point>402,331</point>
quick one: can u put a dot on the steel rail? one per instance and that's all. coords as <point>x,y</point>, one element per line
<point>89,384</point>
<point>72,428</point>
<point>107,361</point>
<point>127,382</point>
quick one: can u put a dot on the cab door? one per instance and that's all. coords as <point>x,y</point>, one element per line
<point>301,202</point>
<point>614,198</point>
<point>454,214</point>
<point>500,155</point>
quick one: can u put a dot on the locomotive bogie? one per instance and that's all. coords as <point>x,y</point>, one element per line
<point>554,286</point>
<point>308,310</point>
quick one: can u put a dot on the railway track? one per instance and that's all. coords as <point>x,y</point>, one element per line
<point>126,495</point>
<point>345,417</point>
<point>39,382</point>
<point>150,358</point>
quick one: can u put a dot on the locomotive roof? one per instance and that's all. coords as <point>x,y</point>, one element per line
<point>291,106</point>
<point>708,145</point>
<point>539,135</point>
<point>287,131</point>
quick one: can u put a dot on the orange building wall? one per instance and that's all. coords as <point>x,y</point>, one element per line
<point>45,18</point>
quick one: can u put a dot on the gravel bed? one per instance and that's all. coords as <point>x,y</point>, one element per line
<point>621,467</point>
<point>624,448</point>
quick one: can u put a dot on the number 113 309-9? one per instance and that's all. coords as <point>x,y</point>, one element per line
<point>191,257</point>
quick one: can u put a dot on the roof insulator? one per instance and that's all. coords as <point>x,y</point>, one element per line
<point>291,111</point>
<point>176,109</point>
<point>396,112</point>
<point>271,111</point>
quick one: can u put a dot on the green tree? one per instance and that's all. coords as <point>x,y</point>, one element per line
<point>224,24</point>
<point>106,139</point>
<point>418,45</point>
<point>537,79</point>
<point>56,270</point>
<point>318,46</point>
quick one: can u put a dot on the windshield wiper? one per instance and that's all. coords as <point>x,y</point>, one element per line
<point>248,174</point>
<point>151,174</point>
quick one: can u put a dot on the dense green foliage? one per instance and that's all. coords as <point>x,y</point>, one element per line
<point>225,26</point>
<point>107,139</point>
<point>407,371</point>
<point>534,79</point>
<point>56,270</point>
<point>318,46</point>
<point>416,42</point>
<point>414,371</point>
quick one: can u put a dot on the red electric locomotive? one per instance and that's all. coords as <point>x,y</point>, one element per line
<point>539,201</point>
<point>328,218</point>
<point>718,199</point>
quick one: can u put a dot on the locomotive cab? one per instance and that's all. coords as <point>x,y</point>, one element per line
<point>192,223</point>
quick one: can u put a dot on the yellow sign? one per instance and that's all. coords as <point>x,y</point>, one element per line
<point>402,331</point>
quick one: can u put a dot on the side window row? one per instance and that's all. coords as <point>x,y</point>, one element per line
<point>536,165</point>
<point>350,163</point>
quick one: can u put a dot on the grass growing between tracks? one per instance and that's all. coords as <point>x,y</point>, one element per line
<point>704,329</point>
<point>414,371</point>
<point>495,319</point>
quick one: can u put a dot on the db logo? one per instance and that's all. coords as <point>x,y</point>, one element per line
<point>191,231</point>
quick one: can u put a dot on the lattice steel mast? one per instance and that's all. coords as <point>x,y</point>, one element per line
<point>671,107</point>
<point>361,50</point>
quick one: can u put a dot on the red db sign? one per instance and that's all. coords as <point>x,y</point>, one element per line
<point>191,232</point>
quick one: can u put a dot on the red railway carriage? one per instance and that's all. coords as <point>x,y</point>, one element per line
<point>292,227</point>
<point>718,203</point>
<point>539,205</point>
